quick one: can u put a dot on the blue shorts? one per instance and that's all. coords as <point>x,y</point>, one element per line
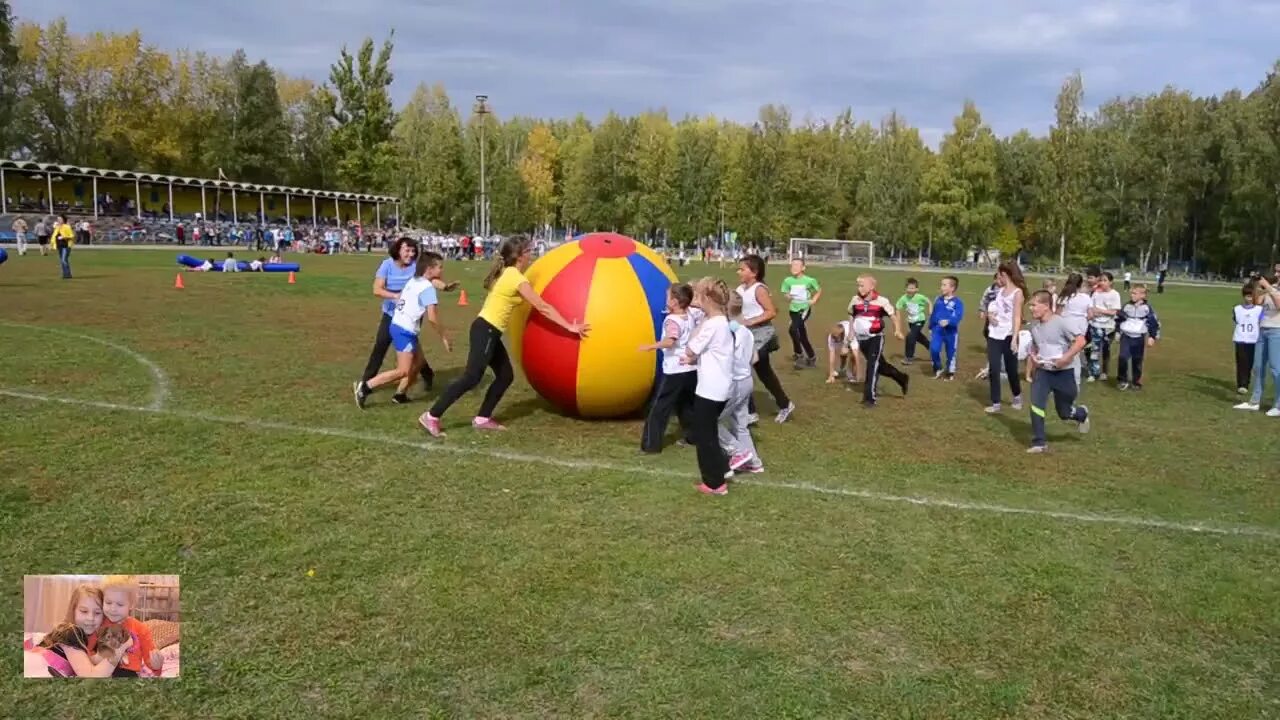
<point>403,340</point>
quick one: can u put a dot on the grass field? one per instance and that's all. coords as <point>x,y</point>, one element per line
<point>906,562</point>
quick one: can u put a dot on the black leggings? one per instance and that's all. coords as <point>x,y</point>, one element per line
<point>713,465</point>
<point>382,343</point>
<point>486,350</point>
<point>996,351</point>
<point>800,334</point>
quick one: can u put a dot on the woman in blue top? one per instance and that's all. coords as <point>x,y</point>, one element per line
<point>388,281</point>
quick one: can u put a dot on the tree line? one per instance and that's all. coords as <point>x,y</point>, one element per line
<point>1150,179</point>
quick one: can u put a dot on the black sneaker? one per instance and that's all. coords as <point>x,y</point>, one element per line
<point>361,392</point>
<point>906,380</point>
<point>400,399</point>
<point>868,403</point>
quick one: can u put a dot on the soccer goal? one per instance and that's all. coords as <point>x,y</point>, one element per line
<point>842,252</point>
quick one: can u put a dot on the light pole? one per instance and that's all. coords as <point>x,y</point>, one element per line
<point>482,109</point>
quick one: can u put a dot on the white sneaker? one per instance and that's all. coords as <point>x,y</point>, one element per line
<point>1017,403</point>
<point>1087,422</point>
<point>1246,405</point>
<point>1274,412</point>
<point>992,409</point>
<point>785,413</point>
<point>1036,449</point>
<point>753,418</point>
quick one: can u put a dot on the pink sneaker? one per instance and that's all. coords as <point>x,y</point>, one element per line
<point>722,490</point>
<point>430,424</point>
<point>486,424</point>
<point>753,469</point>
<point>740,459</point>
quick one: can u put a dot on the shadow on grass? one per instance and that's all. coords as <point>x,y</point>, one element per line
<point>1215,388</point>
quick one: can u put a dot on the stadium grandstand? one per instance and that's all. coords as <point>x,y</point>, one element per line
<point>125,203</point>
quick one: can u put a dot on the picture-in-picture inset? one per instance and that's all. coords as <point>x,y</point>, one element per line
<point>100,626</point>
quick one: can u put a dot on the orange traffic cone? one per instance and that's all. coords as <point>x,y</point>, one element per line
<point>292,280</point>
<point>177,282</point>
<point>462,299</point>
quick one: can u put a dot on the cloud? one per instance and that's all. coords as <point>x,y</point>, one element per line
<point>922,58</point>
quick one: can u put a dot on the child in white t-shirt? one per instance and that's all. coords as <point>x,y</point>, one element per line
<point>417,299</point>
<point>1247,317</point>
<point>735,431</point>
<point>230,264</point>
<point>678,381</point>
<point>711,349</point>
<point>256,265</point>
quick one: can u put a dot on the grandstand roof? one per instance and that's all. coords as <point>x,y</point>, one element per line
<point>30,165</point>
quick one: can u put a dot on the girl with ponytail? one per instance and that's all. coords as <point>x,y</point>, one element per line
<point>508,288</point>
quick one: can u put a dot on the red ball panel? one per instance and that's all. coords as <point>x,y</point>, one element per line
<point>606,245</point>
<point>549,355</point>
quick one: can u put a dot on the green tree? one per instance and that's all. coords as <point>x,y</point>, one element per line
<point>360,103</point>
<point>969,153</point>
<point>577,209</point>
<point>890,195</point>
<point>8,81</point>
<point>1065,181</point>
<point>699,168</point>
<point>653,157</point>
<point>431,175</point>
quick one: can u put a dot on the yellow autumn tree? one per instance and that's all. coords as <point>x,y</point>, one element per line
<point>538,171</point>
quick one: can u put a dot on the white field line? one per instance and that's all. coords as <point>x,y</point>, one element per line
<point>160,387</point>
<point>436,446</point>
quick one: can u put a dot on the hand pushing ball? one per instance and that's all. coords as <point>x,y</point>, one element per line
<point>618,287</point>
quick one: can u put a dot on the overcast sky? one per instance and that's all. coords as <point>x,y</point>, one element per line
<point>728,57</point>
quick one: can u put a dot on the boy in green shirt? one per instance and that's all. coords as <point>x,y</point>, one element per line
<point>804,292</point>
<point>916,309</point>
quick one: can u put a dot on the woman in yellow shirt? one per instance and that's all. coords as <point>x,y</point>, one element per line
<point>63,238</point>
<point>508,288</point>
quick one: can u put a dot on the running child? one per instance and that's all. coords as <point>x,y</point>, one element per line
<point>678,382</point>
<point>804,292</point>
<point>758,312</point>
<point>1139,330</point>
<point>916,308</point>
<point>1004,327</point>
<point>1102,325</point>
<point>735,432</point>
<point>711,350</point>
<point>508,288</point>
<point>417,298</point>
<point>1055,347</point>
<point>1248,320</point>
<point>944,323</point>
<point>869,310</point>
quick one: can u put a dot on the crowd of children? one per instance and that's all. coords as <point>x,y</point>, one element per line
<point>713,340</point>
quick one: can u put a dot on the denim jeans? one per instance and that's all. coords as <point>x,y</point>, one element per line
<point>1267,356</point>
<point>64,257</point>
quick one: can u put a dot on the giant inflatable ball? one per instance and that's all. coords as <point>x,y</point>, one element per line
<point>618,287</point>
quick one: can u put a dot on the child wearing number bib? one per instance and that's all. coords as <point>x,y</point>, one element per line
<point>804,293</point>
<point>1247,317</point>
<point>916,309</point>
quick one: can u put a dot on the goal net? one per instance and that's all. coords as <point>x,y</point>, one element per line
<point>843,252</point>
